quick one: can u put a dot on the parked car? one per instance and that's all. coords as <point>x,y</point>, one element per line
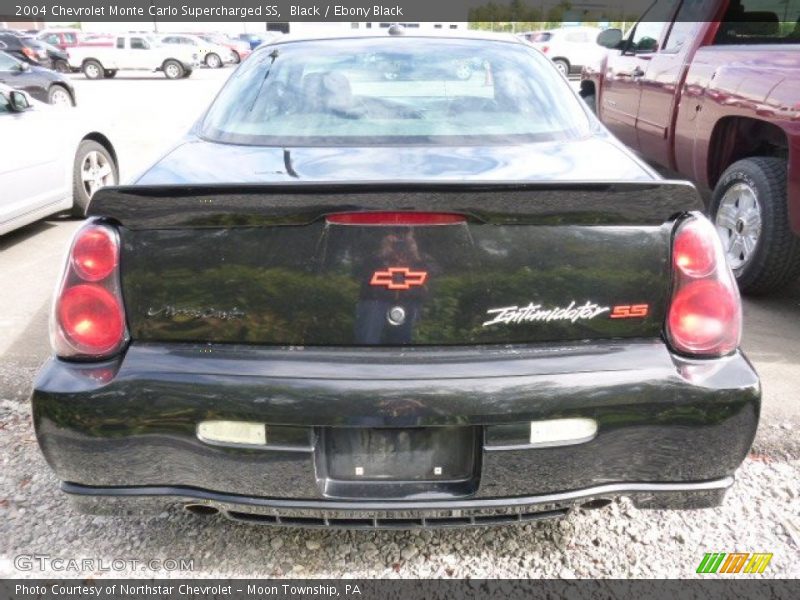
<point>63,38</point>
<point>210,54</point>
<point>26,49</point>
<point>134,52</point>
<point>51,164</point>
<point>57,58</point>
<point>255,39</point>
<point>43,84</point>
<point>238,48</point>
<point>713,96</point>
<point>570,48</point>
<point>351,303</point>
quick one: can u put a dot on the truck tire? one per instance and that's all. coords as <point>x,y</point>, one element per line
<point>213,61</point>
<point>93,69</point>
<point>749,209</point>
<point>93,168</point>
<point>173,69</point>
<point>236,58</point>
<point>562,65</point>
<point>110,73</point>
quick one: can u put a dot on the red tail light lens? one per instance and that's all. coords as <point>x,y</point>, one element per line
<point>95,254</point>
<point>395,218</point>
<point>88,315</point>
<point>705,316</point>
<point>29,53</point>
<point>545,49</point>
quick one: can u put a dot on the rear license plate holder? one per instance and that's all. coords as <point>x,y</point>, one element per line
<point>384,462</point>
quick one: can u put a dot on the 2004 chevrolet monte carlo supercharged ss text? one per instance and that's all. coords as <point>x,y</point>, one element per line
<point>396,281</point>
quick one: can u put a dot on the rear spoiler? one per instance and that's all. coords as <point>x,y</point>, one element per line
<point>504,203</point>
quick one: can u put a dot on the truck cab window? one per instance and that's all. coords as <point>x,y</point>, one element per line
<point>746,22</point>
<point>139,44</point>
<point>645,37</point>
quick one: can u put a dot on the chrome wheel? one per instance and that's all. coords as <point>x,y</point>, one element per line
<point>96,172</point>
<point>173,71</point>
<point>60,97</point>
<point>92,71</point>
<point>738,223</point>
<point>213,61</point>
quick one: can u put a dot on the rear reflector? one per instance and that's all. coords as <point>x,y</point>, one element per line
<point>232,432</point>
<point>557,432</point>
<point>395,218</point>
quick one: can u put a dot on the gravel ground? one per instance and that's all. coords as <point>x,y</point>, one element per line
<point>617,541</point>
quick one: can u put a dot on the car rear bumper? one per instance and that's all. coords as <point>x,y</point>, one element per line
<point>123,434</point>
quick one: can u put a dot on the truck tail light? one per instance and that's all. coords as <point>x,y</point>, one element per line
<point>705,314</point>
<point>88,320</point>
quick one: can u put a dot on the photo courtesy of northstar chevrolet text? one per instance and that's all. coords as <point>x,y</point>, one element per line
<point>317,291</point>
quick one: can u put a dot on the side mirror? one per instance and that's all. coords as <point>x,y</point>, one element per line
<point>18,101</point>
<point>610,38</point>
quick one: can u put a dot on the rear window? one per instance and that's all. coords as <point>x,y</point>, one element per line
<point>761,22</point>
<point>394,91</point>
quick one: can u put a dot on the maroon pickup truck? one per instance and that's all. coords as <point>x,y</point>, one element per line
<point>711,89</point>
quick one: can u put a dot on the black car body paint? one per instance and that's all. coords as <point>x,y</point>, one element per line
<point>247,300</point>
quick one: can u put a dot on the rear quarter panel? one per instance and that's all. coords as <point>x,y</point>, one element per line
<point>757,82</point>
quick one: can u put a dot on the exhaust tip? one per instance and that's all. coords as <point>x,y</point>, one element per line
<point>596,503</point>
<point>204,510</point>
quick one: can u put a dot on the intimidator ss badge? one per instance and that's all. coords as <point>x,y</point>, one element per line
<point>573,312</point>
<point>398,278</point>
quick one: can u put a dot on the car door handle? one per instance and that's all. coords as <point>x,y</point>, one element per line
<point>637,73</point>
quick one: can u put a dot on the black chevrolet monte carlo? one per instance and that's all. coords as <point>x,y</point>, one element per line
<point>396,281</point>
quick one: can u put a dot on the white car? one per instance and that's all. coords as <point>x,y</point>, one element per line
<point>51,163</point>
<point>208,53</point>
<point>570,48</point>
<point>133,51</point>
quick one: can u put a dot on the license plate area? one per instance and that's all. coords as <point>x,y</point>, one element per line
<point>398,462</point>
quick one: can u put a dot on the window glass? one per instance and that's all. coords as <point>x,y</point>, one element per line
<point>7,63</point>
<point>120,42</point>
<point>760,22</point>
<point>51,39</point>
<point>4,105</point>
<point>70,38</point>
<point>645,37</point>
<point>139,44</point>
<point>397,90</point>
<point>685,27</point>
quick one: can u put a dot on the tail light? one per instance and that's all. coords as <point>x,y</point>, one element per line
<point>395,218</point>
<point>705,315</point>
<point>30,53</point>
<point>88,320</point>
<point>545,49</point>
